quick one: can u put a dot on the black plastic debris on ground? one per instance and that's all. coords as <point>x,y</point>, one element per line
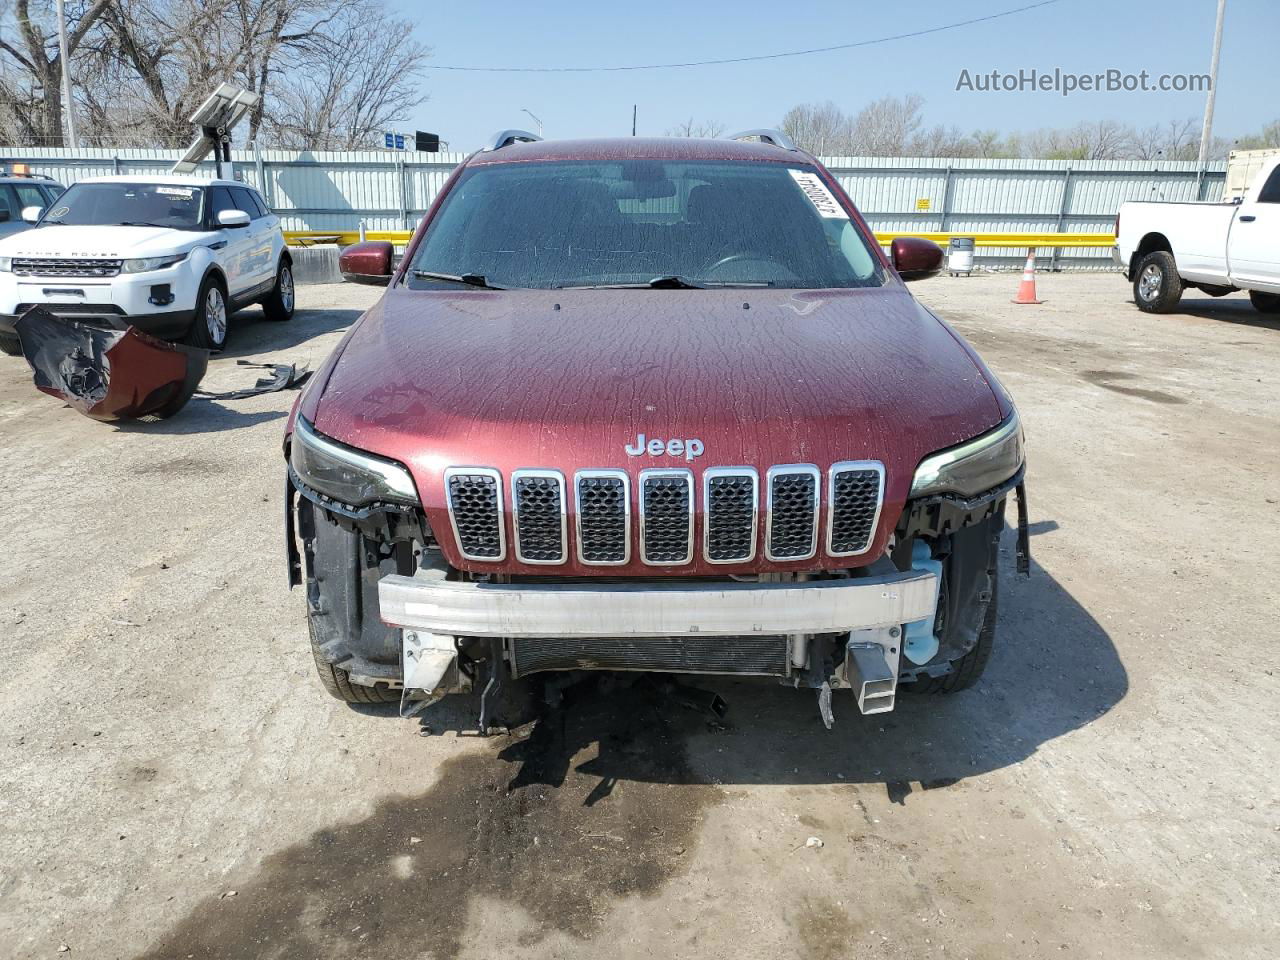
<point>283,376</point>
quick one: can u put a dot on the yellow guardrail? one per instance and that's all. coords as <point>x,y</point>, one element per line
<point>1010,239</point>
<point>302,238</point>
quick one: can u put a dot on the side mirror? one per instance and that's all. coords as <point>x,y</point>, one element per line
<point>915,258</point>
<point>233,219</point>
<point>367,262</point>
<point>32,214</point>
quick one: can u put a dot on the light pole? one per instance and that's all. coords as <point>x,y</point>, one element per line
<point>68,106</point>
<point>535,119</point>
<point>1207,131</point>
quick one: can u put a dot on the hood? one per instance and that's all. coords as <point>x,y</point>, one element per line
<point>107,242</point>
<point>568,379</point>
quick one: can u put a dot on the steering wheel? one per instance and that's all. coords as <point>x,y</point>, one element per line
<point>748,255</point>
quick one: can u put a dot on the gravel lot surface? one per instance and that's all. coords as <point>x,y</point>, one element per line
<point>177,784</point>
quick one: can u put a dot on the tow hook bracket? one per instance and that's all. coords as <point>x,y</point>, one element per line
<point>871,662</point>
<point>426,659</point>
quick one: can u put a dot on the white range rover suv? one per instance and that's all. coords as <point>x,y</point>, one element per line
<point>171,255</point>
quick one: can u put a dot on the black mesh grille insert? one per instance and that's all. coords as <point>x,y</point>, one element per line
<point>602,519</point>
<point>855,498</point>
<point>64,267</point>
<point>473,498</point>
<point>667,518</point>
<point>793,507</point>
<point>757,655</point>
<point>730,511</point>
<point>538,519</point>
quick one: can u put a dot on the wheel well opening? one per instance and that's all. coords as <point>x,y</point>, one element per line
<point>217,276</point>
<point>1152,242</point>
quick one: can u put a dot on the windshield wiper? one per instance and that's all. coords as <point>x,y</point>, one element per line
<point>470,279</point>
<point>668,283</point>
<point>140,223</point>
<point>657,283</point>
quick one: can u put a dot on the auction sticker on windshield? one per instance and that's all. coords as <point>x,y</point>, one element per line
<point>812,186</point>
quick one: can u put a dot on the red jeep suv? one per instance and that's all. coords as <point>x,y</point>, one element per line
<point>656,405</point>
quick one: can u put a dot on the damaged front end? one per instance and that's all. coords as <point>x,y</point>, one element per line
<point>392,619</point>
<point>109,374</point>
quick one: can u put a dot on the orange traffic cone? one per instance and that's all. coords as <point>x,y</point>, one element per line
<point>1027,289</point>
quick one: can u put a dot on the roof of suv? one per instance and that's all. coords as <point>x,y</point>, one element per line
<point>26,178</point>
<point>626,148</point>
<point>185,180</point>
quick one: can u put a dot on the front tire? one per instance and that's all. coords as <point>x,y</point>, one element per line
<point>209,328</point>
<point>338,682</point>
<point>1265,302</point>
<point>1157,288</point>
<point>10,346</point>
<point>279,303</point>
<point>966,671</point>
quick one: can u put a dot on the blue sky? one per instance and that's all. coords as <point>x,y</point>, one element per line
<point>1081,36</point>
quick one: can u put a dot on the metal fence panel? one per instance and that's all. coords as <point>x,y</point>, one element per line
<point>389,190</point>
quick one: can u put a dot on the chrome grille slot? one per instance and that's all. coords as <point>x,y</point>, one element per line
<point>602,501</point>
<point>855,492</point>
<point>65,267</point>
<point>475,510</point>
<point>730,500</point>
<point>792,513</point>
<point>666,516</point>
<point>538,515</point>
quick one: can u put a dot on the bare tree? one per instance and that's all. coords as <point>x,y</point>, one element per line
<point>350,83</point>
<point>820,128</point>
<point>886,127</point>
<point>699,128</point>
<point>327,71</point>
<point>31,82</point>
<point>1269,136</point>
<point>941,142</point>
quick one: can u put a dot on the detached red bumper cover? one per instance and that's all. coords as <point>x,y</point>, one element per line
<point>109,374</point>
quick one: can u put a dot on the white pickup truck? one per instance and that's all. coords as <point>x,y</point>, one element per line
<point>1216,247</point>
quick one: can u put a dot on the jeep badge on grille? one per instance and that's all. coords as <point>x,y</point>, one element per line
<point>691,448</point>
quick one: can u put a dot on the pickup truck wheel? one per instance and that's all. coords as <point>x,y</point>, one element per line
<point>1157,288</point>
<point>10,346</point>
<point>209,327</point>
<point>279,303</point>
<point>338,682</point>
<point>966,671</point>
<point>1265,302</point>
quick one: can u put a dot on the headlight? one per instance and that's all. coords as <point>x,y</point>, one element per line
<point>146,264</point>
<point>348,475</point>
<point>973,467</point>
<point>6,264</point>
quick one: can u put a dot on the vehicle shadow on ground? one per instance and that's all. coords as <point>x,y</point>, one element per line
<point>1240,312</point>
<point>1054,670</point>
<point>250,333</point>
<point>601,798</point>
<point>201,416</point>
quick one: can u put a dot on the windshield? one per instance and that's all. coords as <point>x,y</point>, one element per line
<point>643,222</point>
<point>144,204</point>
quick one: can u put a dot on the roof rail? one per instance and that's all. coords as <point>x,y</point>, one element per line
<point>504,138</point>
<point>776,137</point>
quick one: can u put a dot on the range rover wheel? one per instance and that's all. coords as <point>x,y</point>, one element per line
<point>1157,288</point>
<point>338,682</point>
<point>209,327</point>
<point>1265,302</point>
<point>279,303</point>
<point>966,671</point>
